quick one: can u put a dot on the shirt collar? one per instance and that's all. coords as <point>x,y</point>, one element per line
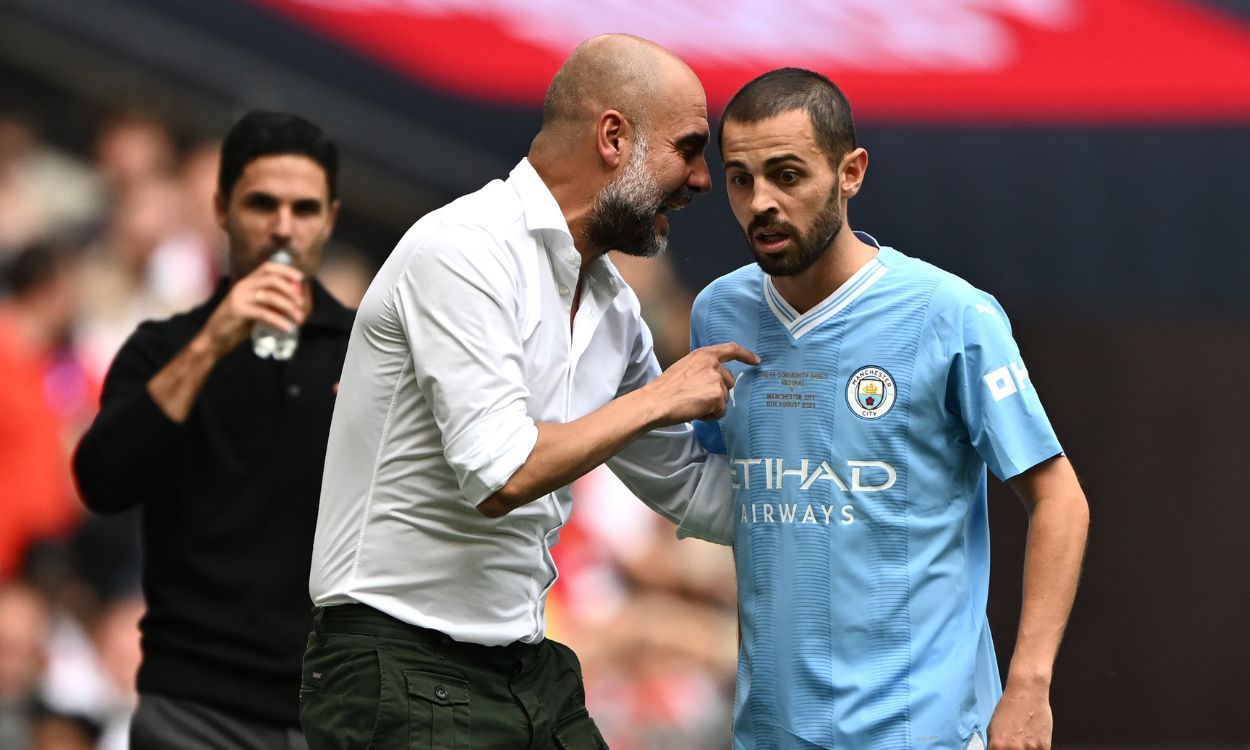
<point>541,209</point>
<point>543,213</point>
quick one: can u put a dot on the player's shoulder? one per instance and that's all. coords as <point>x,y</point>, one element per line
<point>740,286</point>
<point>952,295</point>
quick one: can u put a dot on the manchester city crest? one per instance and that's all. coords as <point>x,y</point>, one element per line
<point>870,392</point>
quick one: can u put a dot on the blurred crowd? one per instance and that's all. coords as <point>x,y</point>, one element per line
<point>93,243</point>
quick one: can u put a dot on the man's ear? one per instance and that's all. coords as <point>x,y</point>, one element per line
<point>611,132</point>
<point>854,167</point>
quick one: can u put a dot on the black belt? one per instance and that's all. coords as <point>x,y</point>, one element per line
<point>361,619</point>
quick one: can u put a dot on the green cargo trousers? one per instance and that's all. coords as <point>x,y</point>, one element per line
<point>371,681</point>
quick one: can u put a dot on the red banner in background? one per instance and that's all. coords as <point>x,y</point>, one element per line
<point>955,61</point>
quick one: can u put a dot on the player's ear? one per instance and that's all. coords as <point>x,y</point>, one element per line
<point>851,172</point>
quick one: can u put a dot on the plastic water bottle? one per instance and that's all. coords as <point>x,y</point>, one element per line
<point>268,341</point>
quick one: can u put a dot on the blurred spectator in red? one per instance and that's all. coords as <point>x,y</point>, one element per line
<point>35,317</point>
<point>23,631</point>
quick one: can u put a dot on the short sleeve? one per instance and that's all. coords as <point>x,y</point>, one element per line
<point>992,393</point>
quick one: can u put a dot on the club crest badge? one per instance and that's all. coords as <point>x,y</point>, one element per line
<point>870,393</point>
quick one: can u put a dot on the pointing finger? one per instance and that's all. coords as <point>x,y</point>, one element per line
<point>732,352</point>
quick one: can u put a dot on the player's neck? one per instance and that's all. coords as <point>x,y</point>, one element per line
<point>811,287</point>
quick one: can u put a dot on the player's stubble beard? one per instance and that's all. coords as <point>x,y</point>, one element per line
<point>806,246</point>
<point>622,215</point>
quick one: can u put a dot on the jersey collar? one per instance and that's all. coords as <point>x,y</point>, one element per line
<point>800,325</point>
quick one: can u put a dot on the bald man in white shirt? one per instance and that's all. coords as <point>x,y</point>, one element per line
<point>496,357</point>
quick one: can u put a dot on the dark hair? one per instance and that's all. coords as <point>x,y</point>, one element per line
<point>259,133</point>
<point>786,89</point>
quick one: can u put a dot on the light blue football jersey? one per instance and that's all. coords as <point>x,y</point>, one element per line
<point>859,448</point>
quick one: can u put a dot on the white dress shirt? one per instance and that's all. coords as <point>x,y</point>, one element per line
<point>460,346</point>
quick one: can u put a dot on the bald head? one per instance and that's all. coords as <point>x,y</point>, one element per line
<point>611,71</point>
<point>624,126</point>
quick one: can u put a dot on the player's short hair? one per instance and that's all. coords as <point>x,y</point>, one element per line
<point>786,89</point>
<point>259,133</point>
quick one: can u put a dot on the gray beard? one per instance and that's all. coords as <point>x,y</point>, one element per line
<point>622,215</point>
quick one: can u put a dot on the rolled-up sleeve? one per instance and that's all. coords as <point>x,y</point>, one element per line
<point>459,303</point>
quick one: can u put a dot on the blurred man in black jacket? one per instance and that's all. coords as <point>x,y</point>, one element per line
<point>223,452</point>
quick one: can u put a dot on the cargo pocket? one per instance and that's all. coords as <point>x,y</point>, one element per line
<point>579,732</point>
<point>438,711</point>
<point>340,695</point>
